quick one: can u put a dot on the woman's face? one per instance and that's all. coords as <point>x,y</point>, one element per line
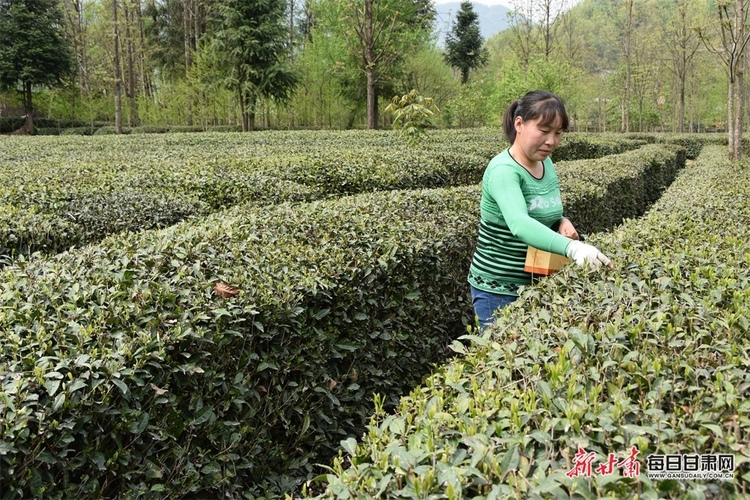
<point>537,140</point>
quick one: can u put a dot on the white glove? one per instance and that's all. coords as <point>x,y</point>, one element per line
<point>584,253</point>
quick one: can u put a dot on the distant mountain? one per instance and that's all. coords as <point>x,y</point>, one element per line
<point>492,19</point>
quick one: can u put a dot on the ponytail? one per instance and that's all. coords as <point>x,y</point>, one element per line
<point>509,121</point>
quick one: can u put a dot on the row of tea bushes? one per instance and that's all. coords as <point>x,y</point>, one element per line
<point>143,129</point>
<point>467,159</point>
<point>612,188</point>
<point>86,188</point>
<point>693,143</point>
<point>653,354</point>
<point>124,371</point>
<point>588,146</point>
<point>487,142</point>
<point>45,125</point>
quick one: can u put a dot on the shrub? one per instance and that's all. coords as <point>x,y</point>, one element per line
<point>125,374</point>
<point>610,189</point>
<point>101,214</point>
<point>651,354</point>
<point>195,128</point>
<point>8,124</point>
<point>413,114</point>
<point>47,131</point>
<point>149,129</point>
<point>141,379</point>
<point>78,131</point>
<point>25,232</point>
<point>576,146</point>
<point>111,130</point>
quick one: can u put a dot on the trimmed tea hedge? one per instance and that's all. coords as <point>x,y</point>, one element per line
<point>654,353</point>
<point>88,187</point>
<point>693,143</point>
<point>43,125</point>
<point>124,373</point>
<point>610,189</point>
<point>578,146</point>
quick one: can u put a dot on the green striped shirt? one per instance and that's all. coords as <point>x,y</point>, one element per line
<point>517,210</point>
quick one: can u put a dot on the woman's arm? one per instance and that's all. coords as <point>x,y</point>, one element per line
<point>506,190</point>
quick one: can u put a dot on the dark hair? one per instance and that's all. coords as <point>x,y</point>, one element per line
<point>537,104</point>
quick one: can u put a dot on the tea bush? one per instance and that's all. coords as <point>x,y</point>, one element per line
<point>577,146</point>
<point>488,142</point>
<point>78,131</point>
<point>88,187</point>
<point>125,374</point>
<point>693,143</point>
<point>123,371</point>
<point>609,189</point>
<point>654,353</point>
<point>43,125</point>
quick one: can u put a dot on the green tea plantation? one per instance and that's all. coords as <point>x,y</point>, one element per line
<point>228,315</point>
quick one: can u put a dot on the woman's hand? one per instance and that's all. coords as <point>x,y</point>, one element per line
<point>566,228</point>
<point>587,255</point>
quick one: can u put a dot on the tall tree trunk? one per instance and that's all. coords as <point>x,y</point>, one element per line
<point>82,60</point>
<point>28,105</point>
<point>682,106</point>
<point>145,81</point>
<point>252,100</point>
<point>372,100</point>
<point>730,117</point>
<point>627,49</point>
<point>197,21</point>
<point>291,30</point>
<point>740,90</point>
<point>740,97</point>
<point>74,16</point>
<point>118,74</point>
<point>243,108</point>
<point>133,111</point>
<point>197,30</point>
<point>187,25</point>
<point>290,122</point>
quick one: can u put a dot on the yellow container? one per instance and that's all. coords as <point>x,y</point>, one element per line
<point>541,262</point>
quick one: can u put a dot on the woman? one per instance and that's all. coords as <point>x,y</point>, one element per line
<point>521,206</point>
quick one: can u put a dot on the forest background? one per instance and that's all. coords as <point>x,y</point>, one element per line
<point>620,65</point>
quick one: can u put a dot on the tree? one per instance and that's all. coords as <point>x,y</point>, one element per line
<point>682,43</point>
<point>571,45</point>
<point>75,18</point>
<point>382,31</point>
<point>116,65</point>
<point>249,40</point>
<point>645,86</point>
<point>733,38</point>
<point>33,50</point>
<point>626,21</point>
<point>523,33</point>
<point>549,13</point>
<point>464,42</point>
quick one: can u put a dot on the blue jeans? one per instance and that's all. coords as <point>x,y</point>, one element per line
<point>486,303</point>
